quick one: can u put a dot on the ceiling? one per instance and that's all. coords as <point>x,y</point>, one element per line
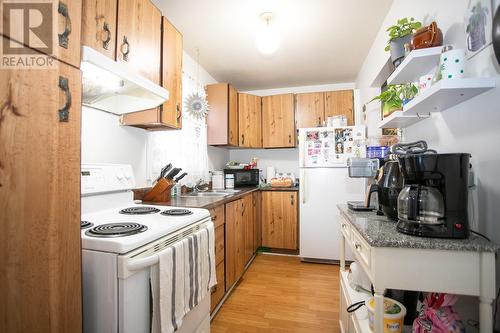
<point>322,41</point>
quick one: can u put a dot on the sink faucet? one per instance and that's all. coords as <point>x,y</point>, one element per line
<point>201,186</point>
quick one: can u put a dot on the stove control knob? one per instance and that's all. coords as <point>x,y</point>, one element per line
<point>120,175</point>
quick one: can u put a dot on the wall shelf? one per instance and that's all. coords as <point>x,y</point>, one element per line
<point>442,95</point>
<point>445,94</point>
<point>399,119</point>
<point>383,73</point>
<point>417,63</point>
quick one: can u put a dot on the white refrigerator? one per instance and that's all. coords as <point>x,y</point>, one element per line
<point>324,183</point>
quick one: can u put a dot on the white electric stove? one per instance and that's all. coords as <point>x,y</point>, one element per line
<point>121,240</point>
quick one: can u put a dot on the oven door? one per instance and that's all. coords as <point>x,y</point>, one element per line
<point>135,306</point>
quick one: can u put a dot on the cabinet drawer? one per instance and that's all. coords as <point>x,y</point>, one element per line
<point>218,216</point>
<point>219,289</point>
<point>219,244</point>
<point>360,247</point>
<point>345,228</point>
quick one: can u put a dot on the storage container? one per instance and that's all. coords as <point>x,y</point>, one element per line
<point>394,315</point>
<point>217,180</point>
<point>229,180</point>
<point>362,167</point>
<point>377,151</point>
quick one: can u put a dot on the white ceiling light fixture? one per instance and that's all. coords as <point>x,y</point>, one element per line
<point>268,37</point>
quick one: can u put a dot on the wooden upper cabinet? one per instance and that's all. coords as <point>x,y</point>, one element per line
<point>279,219</point>
<point>278,121</point>
<point>309,109</point>
<point>66,43</point>
<point>250,120</point>
<point>172,75</point>
<point>222,120</point>
<point>40,200</point>
<point>139,37</point>
<point>99,26</point>
<point>339,103</point>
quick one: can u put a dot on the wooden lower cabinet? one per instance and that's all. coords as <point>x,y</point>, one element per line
<point>235,240</point>
<point>219,290</point>
<point>279,219</point>
<point>257,232</point>
<point>40,279</point>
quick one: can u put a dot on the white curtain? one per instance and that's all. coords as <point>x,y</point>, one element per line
<point>185,148</point>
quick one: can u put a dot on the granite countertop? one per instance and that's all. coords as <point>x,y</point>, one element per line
<point>379,231</point>
<point>212,202</point>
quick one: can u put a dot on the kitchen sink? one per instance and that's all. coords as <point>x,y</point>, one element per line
<point>211,193</point>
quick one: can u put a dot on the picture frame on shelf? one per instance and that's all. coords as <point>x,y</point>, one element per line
<point>478,25</point>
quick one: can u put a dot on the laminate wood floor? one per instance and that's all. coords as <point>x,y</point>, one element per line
<point>281,294</point>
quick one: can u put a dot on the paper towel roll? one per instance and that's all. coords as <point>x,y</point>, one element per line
<point>270,172</point>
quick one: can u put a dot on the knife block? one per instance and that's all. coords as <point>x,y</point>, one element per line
<point>161,192</point>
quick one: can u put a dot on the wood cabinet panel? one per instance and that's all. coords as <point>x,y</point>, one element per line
<point>233,117</point>
<point>218,290</point>
<point>339,103</point>
<point>66,42</point>
<point>279,219</point>
<point>139,37</point>
<point>250,120</point>
<point>40,283</point>
<point>248,230</point>
<point>219,244</point>
<point>278,121</point>
<point>172,74</point>
<point>222,120</point>
<point>234,243</point>
<point>257,232</point>
<point>99,26</point>
<point>218,216</point>
<point>309,109</point>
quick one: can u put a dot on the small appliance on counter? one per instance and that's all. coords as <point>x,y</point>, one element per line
<point>434,201</point>
<point>389,180</point>
<point>243,177</point>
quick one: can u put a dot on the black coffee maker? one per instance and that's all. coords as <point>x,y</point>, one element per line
<point>433,202</point>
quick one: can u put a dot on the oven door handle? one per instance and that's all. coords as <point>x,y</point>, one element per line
<point>141,263</point>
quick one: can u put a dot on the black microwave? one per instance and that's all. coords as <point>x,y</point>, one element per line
<point>244,177</point>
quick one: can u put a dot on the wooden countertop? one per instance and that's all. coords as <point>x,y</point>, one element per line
<point>211,202</point>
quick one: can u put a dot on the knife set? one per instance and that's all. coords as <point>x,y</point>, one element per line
<point>161,191</point>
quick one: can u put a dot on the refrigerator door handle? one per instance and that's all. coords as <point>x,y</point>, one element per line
<point>303,185</point>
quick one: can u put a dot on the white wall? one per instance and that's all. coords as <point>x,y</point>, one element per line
<point>284,160</point>
<point>105,141</point>
<point>472,127</point>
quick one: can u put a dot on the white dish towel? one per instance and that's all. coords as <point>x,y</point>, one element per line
<point>183,277</point>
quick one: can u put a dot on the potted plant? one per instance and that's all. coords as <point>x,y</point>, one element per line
<point>399,35</point>
<point>390,99</point>
<point>476,28</point>
<point>408,91</point>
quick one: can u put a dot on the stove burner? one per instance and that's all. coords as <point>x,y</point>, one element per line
<point>141,210</point>
<point>176,212</point>
<point>85,224</point>
<point>116,230</point>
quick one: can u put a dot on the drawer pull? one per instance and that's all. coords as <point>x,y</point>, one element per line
<point>214,218</point>
<point>62,9</point>
<point>357,246</point>
<point>105,43</point>
<point>125,48</point>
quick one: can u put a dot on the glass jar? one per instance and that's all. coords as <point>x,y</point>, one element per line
<point>229,180</point>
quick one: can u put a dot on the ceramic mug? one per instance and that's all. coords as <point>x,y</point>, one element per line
<point>452,64</point>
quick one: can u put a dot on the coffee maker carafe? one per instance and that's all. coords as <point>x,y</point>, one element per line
<point>433,202</point>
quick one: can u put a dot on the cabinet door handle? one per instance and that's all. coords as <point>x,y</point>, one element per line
<point>243,139</point>
<point>178,109</point>
<point>125,48</point>
<point>319,121</point>
<point>64,111</point>
<point>105,43</point>
<point>62,9</point>
<point>291,199</point>
<point>214,218</point>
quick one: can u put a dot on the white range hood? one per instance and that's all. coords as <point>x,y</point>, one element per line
<point>111,87</point>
